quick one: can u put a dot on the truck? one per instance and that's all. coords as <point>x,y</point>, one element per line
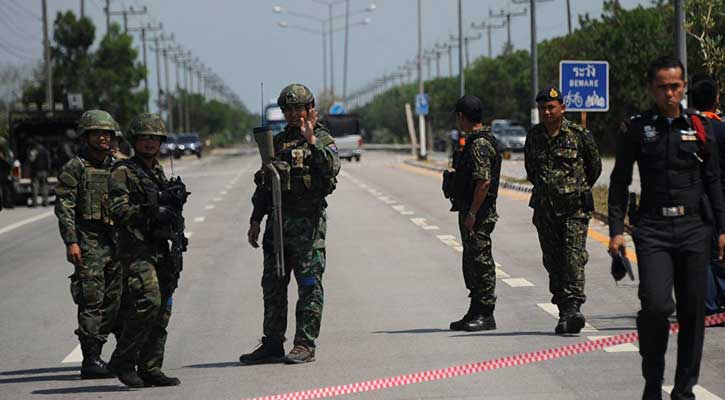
<point>345,128</point>
<point>273,117</point>
<point>56,131</point>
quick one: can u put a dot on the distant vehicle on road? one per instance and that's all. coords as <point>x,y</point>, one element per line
<point>273,117</point>
<point>510,134</point>
<point>56,131</point>
<point>188,143</point>
<point>345,129</point>
<point>169,146</point>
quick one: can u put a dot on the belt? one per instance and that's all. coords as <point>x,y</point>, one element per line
<point>671,212</point>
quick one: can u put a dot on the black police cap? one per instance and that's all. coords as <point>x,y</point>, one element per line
<point>621,267</point>
<point>469,106</point>
<point>549,94</point>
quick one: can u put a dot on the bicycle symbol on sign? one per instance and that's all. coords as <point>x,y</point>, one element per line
<point>593,100</point>
<point>573,98</point>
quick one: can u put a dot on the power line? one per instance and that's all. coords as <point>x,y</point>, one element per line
<point>14,53</point>
<point>25,10</point>
<point>7,22</point>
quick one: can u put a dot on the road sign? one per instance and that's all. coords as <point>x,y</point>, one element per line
<point>337,108</point>
<point>421,104</point>
<point>584,85</point>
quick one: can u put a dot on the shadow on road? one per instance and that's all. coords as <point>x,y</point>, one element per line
<point>423,330</point>
<point>216,365</point>
<point>43,378</point>
<point>40,371</point>
<point>84,389</point>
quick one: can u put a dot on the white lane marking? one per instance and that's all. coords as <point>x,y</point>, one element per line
<point>620,348</point>
<point>458,249</point>
<point>553,310</point>
<point>430,228</point>
<point>407,212</point>
<point>497,264</point>
<point>501,274</point>
<point>517,282</point>
<point>75,356</point>
<point>25,222</point>
<point>399,208</point>
<point>387,200</point>
<point>699,391</point>
<point>363,186</point>
<point>418,221</point>
<point>210,207</point>
<point>188,234</point>
<point>228,187</point>
<point>199,219</point>
<point>223,192</point>
<point>217,199</point>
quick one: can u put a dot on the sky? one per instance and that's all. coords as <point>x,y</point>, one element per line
<point>241,41</point>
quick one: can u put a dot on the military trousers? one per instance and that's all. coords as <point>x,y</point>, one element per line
<point>672,253</point>
<point>146,310</point>
<point>479,269</point>
<point>304,255</point>
<point>563,246</point>
<point>40,186</point>
<point>96,286</point>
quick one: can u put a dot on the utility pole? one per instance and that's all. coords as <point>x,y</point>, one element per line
<point>158,50</point>
<point>568,14</point>
<point>125,13</point>
<point>347,38</point>
<point>48,65</point>
<point>466,39</point>
<point>488,27</point>
<point>461,71</point>
<point>508,15</point>
<point>107,10</point>
<point>143,30</point>
<point>680,35</point>
<point>421,90</point>
<point>83,8</point>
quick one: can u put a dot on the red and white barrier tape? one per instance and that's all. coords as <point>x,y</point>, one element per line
<point>468,369</point>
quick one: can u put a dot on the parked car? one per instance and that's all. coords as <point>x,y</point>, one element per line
<point>169,146</point>
<point>188,143</point>
<point>510,134</point>
<point>346,131</point>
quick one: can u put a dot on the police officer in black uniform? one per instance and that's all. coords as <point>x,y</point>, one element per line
<point>681,202</point>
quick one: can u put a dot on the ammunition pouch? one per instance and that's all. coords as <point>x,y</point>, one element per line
<point>448,186</point>
<point>587,201</point>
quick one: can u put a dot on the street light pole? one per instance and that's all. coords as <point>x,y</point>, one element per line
<point>421,90</point>
<point>344,62</point>
<point>461,71</point>
<point>534,66</point>
<point>680,36</point>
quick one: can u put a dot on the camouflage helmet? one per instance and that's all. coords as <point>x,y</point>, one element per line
<point>296,94</point>
<point>118,133</point>
<point>147,124</point>
<point>96,120</point>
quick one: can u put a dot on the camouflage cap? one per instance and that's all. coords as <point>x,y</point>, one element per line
<point>295,94</point>
<point>96,120</point>
<point>147,124</point>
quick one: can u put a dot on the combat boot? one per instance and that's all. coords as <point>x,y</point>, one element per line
<point>482,320</point>
<point>270,351</point>
<point>652,391</point>
<point>127,375</point>
<point>158,379</point>
<point>93,367</point>
<point>576,320</point>
<point>300,355</point>
<point>458,325</point>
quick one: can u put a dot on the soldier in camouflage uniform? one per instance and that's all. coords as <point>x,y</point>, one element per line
<point>116,141</point>
<point>150,279</point>
<point>562,162</point>
<point>86,229</point>
<point>477,170</point>
<point>310,155</point>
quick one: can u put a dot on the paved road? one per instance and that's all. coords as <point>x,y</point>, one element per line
<point>393,283</point>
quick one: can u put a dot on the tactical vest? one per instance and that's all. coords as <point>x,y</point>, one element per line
<point>150,185</point>
<point>464,183</point>
<point>299,179</point>
<point>92,202</point>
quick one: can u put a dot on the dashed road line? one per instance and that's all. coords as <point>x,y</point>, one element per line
<point>430,228</point>
<point>217,199</point>
<point>223,192</point>
<point>418,221</point>
<point>210,207</point>
<point>25,222</point>
<point>199,219</point>
<point>517,282</point>
<point>501,274</point>
<point>700,393</point>
<point>75,356</point>
<point>553,310</point>
<point>188,234</point>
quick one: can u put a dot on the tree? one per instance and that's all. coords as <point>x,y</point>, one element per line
<point>706,23</point>
<point>116,76</point>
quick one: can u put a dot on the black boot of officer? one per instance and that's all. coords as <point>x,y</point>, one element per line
<point>482,319</point>
<point>271,351</point>
<point>458,325</point>
<point>158,379</point>
<point>93,367</point>
<point>571,320</point>
<point>126,374</point>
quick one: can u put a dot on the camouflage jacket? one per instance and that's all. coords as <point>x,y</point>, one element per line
<point>82,196</point>
<point>309,177</point>
<point>561,168</point>
<point>134,201</point>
